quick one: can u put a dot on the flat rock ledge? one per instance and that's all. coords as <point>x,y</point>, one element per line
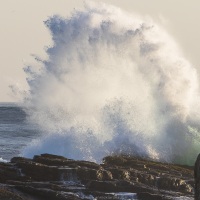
<point>55,177</point>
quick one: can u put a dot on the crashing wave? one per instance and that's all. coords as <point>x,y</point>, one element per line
<point>113,82</point>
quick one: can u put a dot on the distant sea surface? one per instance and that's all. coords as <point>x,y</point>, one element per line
<point>15,131</point>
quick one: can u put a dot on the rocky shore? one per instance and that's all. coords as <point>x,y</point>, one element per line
<point>54,177</point>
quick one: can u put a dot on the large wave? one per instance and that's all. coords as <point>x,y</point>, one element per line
<point>113,83</point>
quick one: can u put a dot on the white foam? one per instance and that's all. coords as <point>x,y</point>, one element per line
<point>113,83</point>
<point>125,195</point>
<point>3,160</point>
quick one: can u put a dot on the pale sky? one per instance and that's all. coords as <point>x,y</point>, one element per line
<point>22,32</point>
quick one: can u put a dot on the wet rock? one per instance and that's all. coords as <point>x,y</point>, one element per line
<point>118,186</point>
<point>54,160</point>
<point>8,195</point>
<point>104,175</point>
<point>20,159</point>
<point>39,171</point>
<point>145,195</point>
<point>114,160</point>
<point>49,176</point>
<point>86,174</point>
<point>197,178</point>
<point>120,173</point>
<point>48,193</point>
<point>103,186</point>
<point>147,179</point>
<point>9,171</point>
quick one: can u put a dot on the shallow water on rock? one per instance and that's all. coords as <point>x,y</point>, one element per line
<point>183,198</point>
<point>125,196</point>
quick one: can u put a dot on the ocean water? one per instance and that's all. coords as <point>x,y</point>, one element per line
<point>15,131</point>
<point>113,83</point>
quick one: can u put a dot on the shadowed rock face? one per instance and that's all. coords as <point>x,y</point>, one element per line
<point>119,177</point>
<point>197,178</point>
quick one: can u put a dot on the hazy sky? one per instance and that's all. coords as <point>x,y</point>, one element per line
<point>22,32</point>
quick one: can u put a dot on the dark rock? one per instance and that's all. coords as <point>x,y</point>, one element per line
<point>104,175</point>
<point>146,195</point>
<point>118,186</point>
<point>120,173</point>
<point>175,184</point>
<point>87,174</point>
<point>8,172</point>
<point>8,195</point>
<point>48,193</point>
<point>114,160</point>
<point>53,160</point>
<point>197,178</point>
<point>49,176</point>
<point>103,186</point>
<point>20,159</point>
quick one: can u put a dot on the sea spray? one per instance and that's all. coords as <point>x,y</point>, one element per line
<point>3,160</point>
<point>113,83</point>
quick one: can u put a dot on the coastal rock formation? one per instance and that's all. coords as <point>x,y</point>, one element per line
<point>197,178</point>
<point>54,177</point>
